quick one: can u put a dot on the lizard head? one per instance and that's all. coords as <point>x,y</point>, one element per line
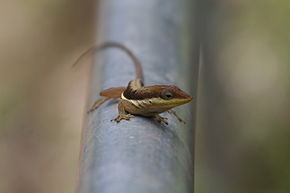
<point>164,96</point>
<point>172,96</point>
<point>156,98</point>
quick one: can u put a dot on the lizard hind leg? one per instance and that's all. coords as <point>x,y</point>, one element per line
<point>106,95</point>
<point>115,92</point>
<point>98,103</point>
<point>122,113</point>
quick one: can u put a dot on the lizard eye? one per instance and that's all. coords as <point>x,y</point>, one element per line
<point>166,95</point>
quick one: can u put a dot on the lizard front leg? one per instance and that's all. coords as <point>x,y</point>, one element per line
<point>161,119</point>
<point>175,114</point>
<point>122,113</point>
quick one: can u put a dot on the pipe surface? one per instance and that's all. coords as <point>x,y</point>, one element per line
<point>142,155</point>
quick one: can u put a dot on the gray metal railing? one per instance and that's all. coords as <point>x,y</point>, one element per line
<point>142,155</point>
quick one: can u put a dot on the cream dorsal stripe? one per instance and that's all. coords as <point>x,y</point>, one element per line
<point>138,103</point>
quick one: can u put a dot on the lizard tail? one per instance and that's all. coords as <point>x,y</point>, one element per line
<point>93,49</point>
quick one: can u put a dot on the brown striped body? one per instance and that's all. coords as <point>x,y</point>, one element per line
<point>150,100</point>
<point>137,99</point>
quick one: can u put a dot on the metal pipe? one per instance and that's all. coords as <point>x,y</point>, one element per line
<point>142,155</point>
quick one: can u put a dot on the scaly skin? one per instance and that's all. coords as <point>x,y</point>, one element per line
<point>137,99</point>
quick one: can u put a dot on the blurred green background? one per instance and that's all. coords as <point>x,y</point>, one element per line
<point>243,127</point>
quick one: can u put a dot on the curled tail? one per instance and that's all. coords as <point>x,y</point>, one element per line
<point>93,49</point>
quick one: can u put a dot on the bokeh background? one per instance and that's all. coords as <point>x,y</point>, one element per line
<point>243,127</point>
<point>243,117</point>
<point>42,98</point>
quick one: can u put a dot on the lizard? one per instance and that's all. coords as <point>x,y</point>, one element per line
<point>137,99</point>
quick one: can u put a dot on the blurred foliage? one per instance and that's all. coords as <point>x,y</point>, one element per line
<point>41,97</point>
<point>243,135</point>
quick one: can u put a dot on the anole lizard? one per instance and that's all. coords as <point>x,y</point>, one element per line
<point>137,99</point>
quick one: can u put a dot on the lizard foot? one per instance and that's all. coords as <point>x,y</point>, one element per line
<point>123,116</point>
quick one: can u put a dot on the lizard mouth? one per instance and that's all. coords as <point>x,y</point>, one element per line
<point>177,102</point>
